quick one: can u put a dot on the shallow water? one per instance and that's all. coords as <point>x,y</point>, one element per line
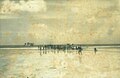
<point>16,63</point>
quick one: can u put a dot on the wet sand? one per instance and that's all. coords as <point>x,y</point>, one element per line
<point>29,63</point>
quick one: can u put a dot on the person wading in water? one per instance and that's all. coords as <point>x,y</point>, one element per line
<point>80,50</point>
<point>95,50</point>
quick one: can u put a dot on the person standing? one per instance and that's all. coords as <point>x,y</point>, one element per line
<point>80,50</point>
<point>95,50</point>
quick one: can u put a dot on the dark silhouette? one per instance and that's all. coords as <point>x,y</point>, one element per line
<point>80,50</point>
<point>44,49</point>
<point>95,50</point>
<point>29,44</point>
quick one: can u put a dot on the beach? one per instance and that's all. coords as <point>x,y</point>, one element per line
<point>29,63</point>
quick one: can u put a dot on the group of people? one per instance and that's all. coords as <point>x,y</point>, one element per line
<point>80,50</point>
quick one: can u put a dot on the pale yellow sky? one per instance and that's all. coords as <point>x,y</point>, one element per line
<point>60,21</point>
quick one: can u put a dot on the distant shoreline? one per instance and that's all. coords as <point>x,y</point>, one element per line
<point>35,46</point>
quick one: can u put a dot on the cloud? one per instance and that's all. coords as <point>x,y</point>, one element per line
<point>9,16</point>
<point>39,33</point>
<point>8,6</point>
<point>81,22</point>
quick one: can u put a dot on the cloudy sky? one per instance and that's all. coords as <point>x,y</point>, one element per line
<point>59,21</point>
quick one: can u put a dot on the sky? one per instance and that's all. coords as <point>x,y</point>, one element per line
<point>59,21</point>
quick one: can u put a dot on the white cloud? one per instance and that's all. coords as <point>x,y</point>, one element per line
<point>29,6</point>
<point>38,32</point>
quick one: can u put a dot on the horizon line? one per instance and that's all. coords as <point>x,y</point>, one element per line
<point>58,44</point>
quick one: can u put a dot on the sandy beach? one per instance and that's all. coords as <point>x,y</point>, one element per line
<point>30,64</point>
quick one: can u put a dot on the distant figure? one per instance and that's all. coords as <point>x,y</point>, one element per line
<point>25,44</point>
<point>38,47</point>
<point>95,50</point>
<point>80,50</point>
